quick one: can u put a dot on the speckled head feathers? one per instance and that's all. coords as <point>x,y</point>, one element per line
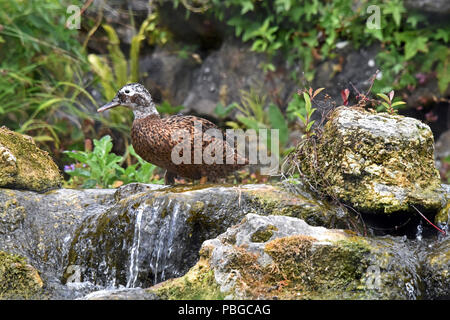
<point>136,97</point>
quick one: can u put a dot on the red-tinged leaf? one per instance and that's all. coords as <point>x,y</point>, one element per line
<point>317,92</point>
<point>345,94</point>
<point>391,95</point>
<point>310,91</point>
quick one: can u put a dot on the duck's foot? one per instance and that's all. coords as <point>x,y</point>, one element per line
<point>203,180</point>
<point>169,178</point>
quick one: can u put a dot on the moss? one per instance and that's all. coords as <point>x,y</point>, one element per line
<point>18,280</point>
<point>197,284</point>
<point>34,168</point>
<point>264,234</point>
<point>443,216</point>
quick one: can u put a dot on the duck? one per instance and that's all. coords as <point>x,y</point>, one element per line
<point>177,143</point>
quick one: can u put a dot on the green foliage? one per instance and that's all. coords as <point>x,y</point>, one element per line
<point>222,112</point>
<point>166,108</point>
<point>388,102</point>
<point>41,82</point>
<point>308,31</point>
<point>101,168</point>
<point>253,115</point>
<point>305,111</point>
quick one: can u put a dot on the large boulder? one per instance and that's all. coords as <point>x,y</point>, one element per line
<point>24,166</point>
<point>278,257</point>
<point>376,162</point>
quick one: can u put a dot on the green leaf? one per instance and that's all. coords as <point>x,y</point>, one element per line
<point>385,97</point>
<point>385,105</point>
<point>307,102</point>
<point>308,127</point>
<point>250,123</point>
<point>415,45</point>
<point>396,9</point>
<point>298,114</point>
<point>442,34</point>
<point>398,103</point>
<point>247,6</point>
<point>277,121</point>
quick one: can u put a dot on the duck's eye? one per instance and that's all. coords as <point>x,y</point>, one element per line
<point>127,91</point>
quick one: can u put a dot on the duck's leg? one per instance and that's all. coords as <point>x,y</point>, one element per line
<point>203,179</point>
<point>169,177</point>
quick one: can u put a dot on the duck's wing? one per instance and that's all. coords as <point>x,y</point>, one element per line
<point>205,132</point>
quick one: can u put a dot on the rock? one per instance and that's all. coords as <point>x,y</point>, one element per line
<point>24,166</point>
<point>90,244</point>
<point>227,71</point>
<point>167,75</point>
<point>138,234</point>
<point>443,145</point>
<point>442,151</point>
<point>153,234</point>
<point>40,227</point>
<point>18,279</point>
<point>358,67</point>
<point>377,162</point>
<point>296,261</point>
<point>441,7</point>
<point>120,15</point>
<point>436,271</point>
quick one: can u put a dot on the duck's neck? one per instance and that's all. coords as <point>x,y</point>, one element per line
<point>144,111</point>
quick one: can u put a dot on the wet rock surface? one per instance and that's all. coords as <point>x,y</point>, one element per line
<point>209,242</point>
<point>149,236</point>
<point>296,261</point>
<point>85,240</point>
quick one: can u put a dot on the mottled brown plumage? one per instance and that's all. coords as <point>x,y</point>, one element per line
<point>153,138</point>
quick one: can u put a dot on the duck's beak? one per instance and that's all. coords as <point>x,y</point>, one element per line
<point>109,105</point>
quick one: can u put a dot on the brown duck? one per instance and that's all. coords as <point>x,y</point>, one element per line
<point>162,141</point>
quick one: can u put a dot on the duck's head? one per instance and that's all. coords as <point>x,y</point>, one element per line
<point>135,97</point>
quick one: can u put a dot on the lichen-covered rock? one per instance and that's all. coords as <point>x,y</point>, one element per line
<point>18,280</point>
<point>377,162</point>
<point>297,261</point>
<point>24,166</point>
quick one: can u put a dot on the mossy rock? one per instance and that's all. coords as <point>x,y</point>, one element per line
<point>24,166</point>
<point>296,261</point>
<point>379,163</point>
<point>18,280</point>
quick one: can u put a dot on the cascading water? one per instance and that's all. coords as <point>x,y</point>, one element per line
<point>134,267</point>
